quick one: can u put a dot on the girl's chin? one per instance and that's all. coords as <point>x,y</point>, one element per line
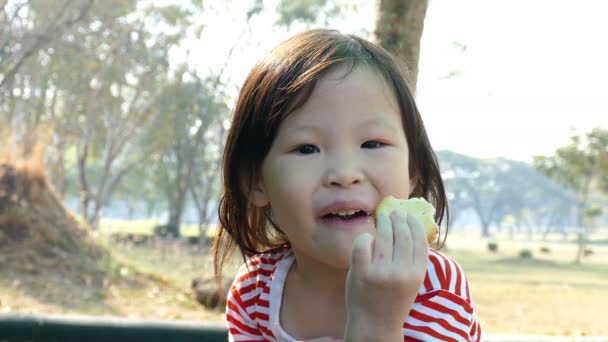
<point>340,259</point>
<point>342,265</point>
<point>337,259</point>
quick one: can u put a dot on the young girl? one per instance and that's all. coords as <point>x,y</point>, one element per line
<point>324,128</point>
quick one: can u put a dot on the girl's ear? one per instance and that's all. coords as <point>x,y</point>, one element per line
<point>257,192</point>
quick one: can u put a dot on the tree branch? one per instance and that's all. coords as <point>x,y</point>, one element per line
<point>44,38</point>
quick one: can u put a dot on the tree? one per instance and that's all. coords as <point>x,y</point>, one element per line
<point>124,70</point>
<point>206,184</point>
<point>99,112</point>
<point>15,27</point>
<point>475,184</point>
<point>190,111</point>
<point>399,26</point>
<point>498,188</point>
<point>310,12</point>
<point>581,166</point>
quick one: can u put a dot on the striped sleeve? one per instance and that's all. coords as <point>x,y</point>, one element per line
<point>247,307</point>
<point>443,310</point>
<point>241,324</point>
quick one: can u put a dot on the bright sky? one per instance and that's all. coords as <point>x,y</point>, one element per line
<point>531,72</point>
<point>525,74</point>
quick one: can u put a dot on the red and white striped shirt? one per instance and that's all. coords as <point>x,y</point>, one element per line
<point>443,310</point>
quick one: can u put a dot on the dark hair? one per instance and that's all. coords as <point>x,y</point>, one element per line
<point>281,82</point>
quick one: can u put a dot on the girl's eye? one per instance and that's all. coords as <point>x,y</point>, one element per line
<point>373,144</point>
<point>307,149</point>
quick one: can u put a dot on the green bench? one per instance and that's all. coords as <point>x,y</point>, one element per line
<point>45,328</point>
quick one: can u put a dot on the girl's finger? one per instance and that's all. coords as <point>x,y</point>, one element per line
<point>419,241</point>
<point>402,251</point>
<point>383,245</point>
<point>362,253</point>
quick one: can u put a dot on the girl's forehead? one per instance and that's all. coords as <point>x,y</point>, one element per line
<point>358,101</point>
<point>361,83</point>
<point>360,93</point>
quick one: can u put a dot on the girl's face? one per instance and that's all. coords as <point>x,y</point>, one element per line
<point>339,154</point>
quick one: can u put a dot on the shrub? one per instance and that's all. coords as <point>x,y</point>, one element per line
<point>525,254</point>
<point>493,246</point>
<point>545,249</point>
<point>165,230</point>
<point>160,230</point>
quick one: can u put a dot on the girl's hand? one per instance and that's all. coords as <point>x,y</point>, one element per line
<point>385,276</point>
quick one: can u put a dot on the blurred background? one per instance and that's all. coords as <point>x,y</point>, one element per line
<point>113,116</point>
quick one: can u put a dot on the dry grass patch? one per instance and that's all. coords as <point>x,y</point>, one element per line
<point>51,263</point>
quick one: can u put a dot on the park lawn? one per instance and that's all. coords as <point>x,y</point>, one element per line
<point>548,294</point>
<point>133,286</point>
<point>109,226</point>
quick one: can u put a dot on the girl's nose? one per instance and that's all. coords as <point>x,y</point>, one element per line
<point>343,172</point>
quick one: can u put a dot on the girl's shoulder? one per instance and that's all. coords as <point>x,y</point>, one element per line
<point>444,273</point>
<point>258,269</point>
<point>248,301</point>
<point>444,308</point>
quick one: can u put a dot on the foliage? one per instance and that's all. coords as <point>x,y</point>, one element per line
<point>190,114</point>
<point>583,163</point>
<point>310,12</point>
<point>127,123</point>
<point>95,86</point>
<point>581,166</point>
<point>525,254</point>
<point>499,188</point>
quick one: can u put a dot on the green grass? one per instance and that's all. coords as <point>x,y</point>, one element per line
<point>145,227</point>
<point>171,260</point>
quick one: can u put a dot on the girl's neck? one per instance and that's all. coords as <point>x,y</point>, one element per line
<point>313,287</point>
<point>318,276</point>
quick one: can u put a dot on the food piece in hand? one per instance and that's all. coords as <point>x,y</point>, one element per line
<point>417,207</point>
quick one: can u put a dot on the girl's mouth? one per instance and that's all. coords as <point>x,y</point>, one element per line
<point>347,215</point>
<point>347,220</point>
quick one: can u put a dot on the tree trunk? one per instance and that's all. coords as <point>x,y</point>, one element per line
<point>582,228</point>
<point>201,208</point>
<point>174,223</point>
<point>485,230</point>
<point>177,201</point>
<point>84,185</point>
<point>399,26</point>
<point>183,184</point>
<point>484,218</point>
